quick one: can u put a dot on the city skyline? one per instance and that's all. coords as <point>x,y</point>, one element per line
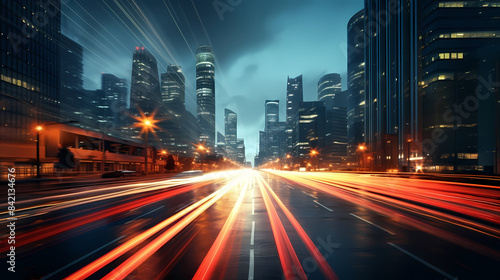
<point>259,56</point>
<point>388,170</point>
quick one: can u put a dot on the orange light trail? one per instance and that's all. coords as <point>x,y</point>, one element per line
<point>288,258</point>
<point>320,260</point>
<point>365,194</point>
<point>122,249</point>
<point>143,254</point>
<point>58,228</point>
<point>208,266</point>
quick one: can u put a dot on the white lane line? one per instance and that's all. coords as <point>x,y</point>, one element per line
<point>290,187</point>
<point>252,235</point>
<point>315,201</point>
<point>251,265</point>
<point>253,206</point>
<point>145,214</point>
<point>422,261</point>
<point>364,220</point>
<point>80,259</point>
<point>310,195</point>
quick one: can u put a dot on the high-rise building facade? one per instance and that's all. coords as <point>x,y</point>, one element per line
<point>231,133</point>
<point>391,77</point>
<point>461,65</point>
<point>335,149</point>
<point>294,95</point>
<point>173,89</point>
<point>356,86</point>
<point>329,86</point>
<point>205,94</point>
<point>240,150</point>
<point>30,61</point>
<point>272,114</point>
<point>75,104</point>
<point>309,129</point>
<point>114,100</point>
<point>220,148</point>
<point>145,86</point>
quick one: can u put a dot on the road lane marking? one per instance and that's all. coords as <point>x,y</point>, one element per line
<point>423,262</point>
<point>364,220</point>
<point>311,247</point>
<point>208,266</point>
<point>251,265</point>
<point>253,206</point>
<point>310,195</point>
<point>145,214</point>
<point>82,258</point>
<point>315,201</point>
<point>252,234</point>
<point>290,187</point>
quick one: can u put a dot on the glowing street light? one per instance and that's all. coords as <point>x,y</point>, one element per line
<point>409,152</point>
<point>147,124</point>
<point>362,148</point>
<point>202,149</point>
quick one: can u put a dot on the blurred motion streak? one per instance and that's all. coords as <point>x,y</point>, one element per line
<point>192,212</point>
<point>318,257</point>
<point>144,253</point>
<point>57,228</point>
<point>208,266</point>
<point>288,258</point>
<point>472,207</point>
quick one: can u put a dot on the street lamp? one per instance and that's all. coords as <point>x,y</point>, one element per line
<point>202,149</point>
<point>146,124</point>
<point>38,128</point>
<point>408,156</point>
<point>164,154</point>
<point>362,148</point>
<point>313,157</point>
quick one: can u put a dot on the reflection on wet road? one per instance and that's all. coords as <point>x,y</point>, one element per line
<point>250,224</point>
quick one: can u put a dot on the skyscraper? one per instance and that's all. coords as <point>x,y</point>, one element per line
<point>173,89</point>
<point>335,148</point>
<point>309,129</point>
<point>29,78</point>
<point>145,86</point>
<point>231,133</point>
<point>391,72</point>
<point>240,149</point>
<point>74,104</point>
<point>272,114</point>
<point>294,95</point>
<point>329,86</point>
<point>356,86</point>
<point>205,94</point>
<point>461,65</point>
<point>114,99</point>
<point>221,144</point>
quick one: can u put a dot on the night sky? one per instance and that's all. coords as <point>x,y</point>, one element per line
<point>257,44</point>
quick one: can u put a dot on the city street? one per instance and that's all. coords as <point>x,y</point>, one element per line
<point>252,224</point>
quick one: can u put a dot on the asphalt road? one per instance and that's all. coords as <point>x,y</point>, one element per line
<point>257,225</point>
